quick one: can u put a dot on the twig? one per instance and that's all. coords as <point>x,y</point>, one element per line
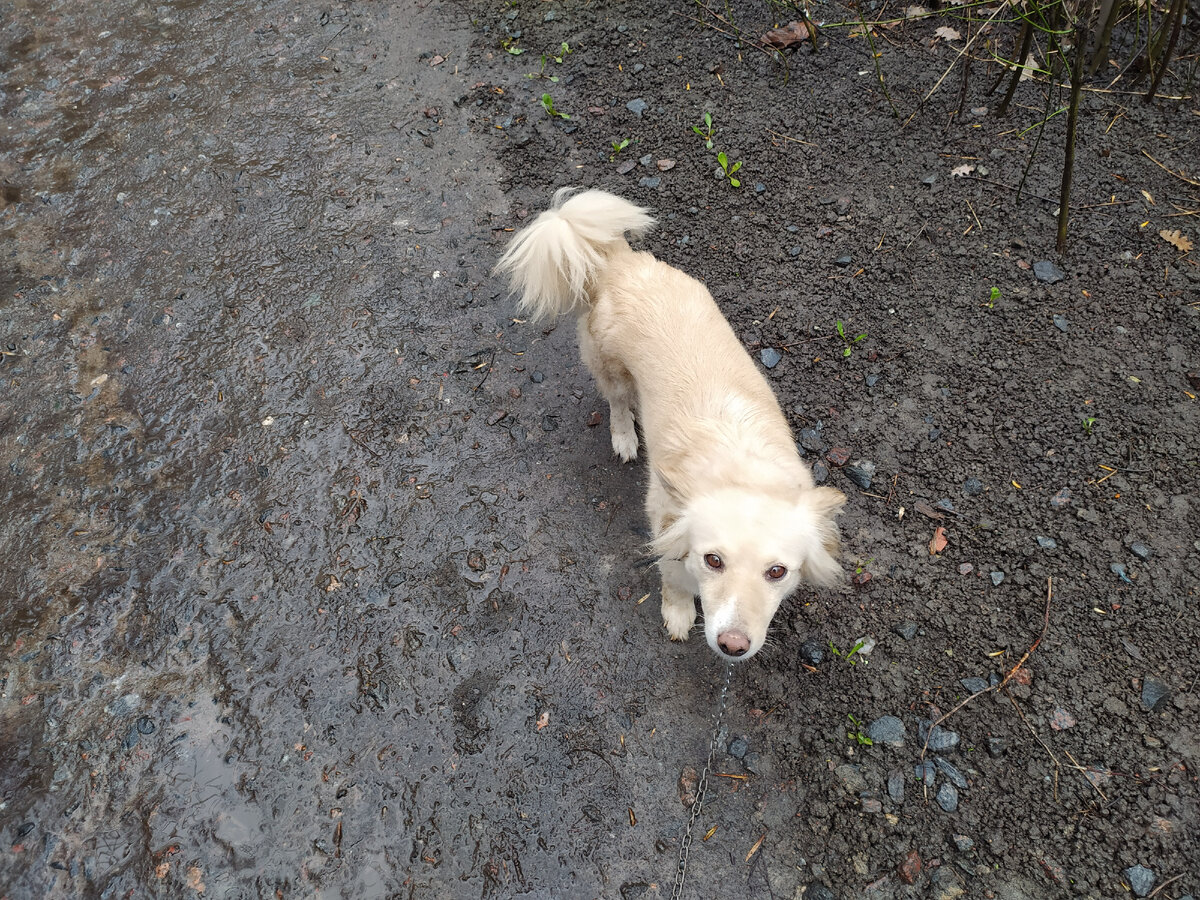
<point>1057,764</point>
<point>787,138</point>
<point>966,47</point>
<point>1178,174</point>
<point>1164,884</point>
<point>1078,767</point>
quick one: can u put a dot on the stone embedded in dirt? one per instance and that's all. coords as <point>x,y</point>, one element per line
<point>925,772</point>
<point>939,738</point>
<point>1062,499</point>
<point>861,579</point>
<point>872,380</point>
<point>965,569</point>
<point>770,357</point>
<point>861,473</point>
<point>974,685</point>
<point>810,438</point>
<point>910,867</point>
<point>795,251</point>
<point>895,785</point>
<point>1118,569</point>
<point>997,577</point>
<point>955,777</point>
<point>962,843</point>
<point>947,797</point>
<point>1047,543</point>
<point>1061,720</point>
<point>637,106</point>
<point>812,652</point>
<point>844,260</point>
<point>972,487</point>
<point>820,472</point>
<point>631,890</point>
<point>1061,323</point>
<point>929,180</point>
<point>997,746</point>
<point>688,780</point>
<point>665,165</point>
<point>476,561</point>
<point>947,505</point>
<point>759,187</point>
<point>1154,694</point>
<point>626,167</point>
<point>851,778</point>
<point>887,730</point>
<point>907,630</point>
<point>838,456</point>
<point>514,393</point>
<point>738,747</point>
<point>498,415</point>
<point>818,891</point>
<point>843,205</point>
<point>537,377</point>
<point>650,181</point>
<point>549,422</point>
<point>871,804</point>
<point>594,419</point>
<point>1141,880</point>
<point>1047,272</point>
<point>1140,550</point>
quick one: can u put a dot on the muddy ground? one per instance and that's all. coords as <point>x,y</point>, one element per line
<point>318,581</point>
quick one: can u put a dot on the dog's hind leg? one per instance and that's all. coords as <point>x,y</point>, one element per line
<point>617,386</point>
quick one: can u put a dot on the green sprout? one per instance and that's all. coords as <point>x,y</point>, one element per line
<point>728,169</point>
<point>995,295</point>
<point>708,131</point>
<point>510,47</point>
<point>1088,423</point>
<point>548,104</point>
<point>617,147</point>
<point>563,50</point>
<point>847,340</point>
<point>857,733</point>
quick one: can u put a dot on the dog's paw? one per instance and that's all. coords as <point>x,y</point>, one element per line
<point>678,622</point>
<point>625,444</point>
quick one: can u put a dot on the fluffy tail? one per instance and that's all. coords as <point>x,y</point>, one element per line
<point>550,263</point>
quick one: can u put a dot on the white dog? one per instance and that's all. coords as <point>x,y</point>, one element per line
<point>735,516</point>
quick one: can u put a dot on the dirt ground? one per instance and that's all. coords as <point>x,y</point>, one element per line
<point>319,579</point>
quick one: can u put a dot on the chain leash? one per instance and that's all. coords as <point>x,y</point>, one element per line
<point>685,845</point>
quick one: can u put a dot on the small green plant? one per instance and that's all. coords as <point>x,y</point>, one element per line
<point>849,656</point>
<point>729,170</point>
<point>857,733</point>
<point>510,46</point>
<point>993,297</point>
<point>847,340</point>
<point>708,131</point>
<point>617,147</point>
<point>563,50</point>
<point>548,105</point>
<point>1088,423</point>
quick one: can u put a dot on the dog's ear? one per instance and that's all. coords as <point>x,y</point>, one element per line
<point>820,565</point>
<point>674,541</point>
<point>669,488</point>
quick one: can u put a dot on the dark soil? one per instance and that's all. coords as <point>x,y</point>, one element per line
<point>318,581</point>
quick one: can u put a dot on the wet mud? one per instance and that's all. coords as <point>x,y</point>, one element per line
<point>320,581</point>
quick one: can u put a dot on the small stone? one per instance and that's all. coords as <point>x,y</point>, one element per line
<point>997,746</point>
<point>954,776</point>
<point>770,357</point>
<point>1154,694</point>
<point>145,725</point>
<point>910,867</point>
<point>887,730</point>
<point>738,747</point>
<point>838,456</point>
<point>872,805</point>
<point>861,473</point>
<point>843,261</point>
<point>851,778</point>
<point>872,380</point>
<point>650,181</point>
<point>637,107</point>
<point>1061,719</point>
<point>907,630</point>
<point>947,504</point>
<point>1047,543</point>
<point>818,891</point>
<point>820,472</point>
<point>537,377</point>
<point>1140,550</point>
<point>895,785</point>
<point>665,165</point>
<point>549,422</point>
<point>514,393</point>
<point>810,439</point>
<point>972,487</point>
<point>1047,272</point>
<point>1062,499</point>
<point>795,251</point>
<point>965,569</point>
<point>812,652</point>
<point>997,577</point>
<point>550,16</point>
<point>925,772</point>
<point>1118,569</point>
<point>626,167</point>
<point>1061,323</point>
<point>594,419</point>
<point>929,180</point>
<point>947,797</point>
<point>1141,880</point>
<point>861,579</point>
<point>496,416</point>
<point>476,561</point>
<point>688,781</point>
<point>843,205</point>
<point>974,685</point>
<point>962,843</point>
<point>759,187</point>
<point>939,738</point>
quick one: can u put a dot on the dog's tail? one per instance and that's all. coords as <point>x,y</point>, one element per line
<point>550,263</point>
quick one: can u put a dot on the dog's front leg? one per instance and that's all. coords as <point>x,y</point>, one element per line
<point>678,599</point>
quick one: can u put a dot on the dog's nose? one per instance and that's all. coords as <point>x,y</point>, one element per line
<point>733,642</point>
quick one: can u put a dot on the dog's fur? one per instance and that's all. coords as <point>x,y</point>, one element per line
<point>725,476</point>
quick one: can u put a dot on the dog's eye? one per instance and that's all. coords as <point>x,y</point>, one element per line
<point>713,561</point>
<point>776,572</point>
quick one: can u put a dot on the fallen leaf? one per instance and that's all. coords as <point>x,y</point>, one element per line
<point>946,33</point>
<point>962,171</point>
<point>926,510</point>
<point>1176,239</point>
<point>793,34</point>
<point>437,61</point>
<point>938,544</point>
<point>914,12</point>
<point>1149,199</point>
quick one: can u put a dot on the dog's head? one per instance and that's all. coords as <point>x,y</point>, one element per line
<point>748,550</point>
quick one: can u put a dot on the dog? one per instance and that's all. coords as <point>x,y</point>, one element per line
<point>735,515</point>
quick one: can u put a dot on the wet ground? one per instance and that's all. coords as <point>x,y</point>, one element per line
<point>319,582</point>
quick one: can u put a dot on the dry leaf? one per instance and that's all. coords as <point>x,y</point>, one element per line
<point>962,171</point>
<point>1176,239</point>
<point>946,33</point>
<point>926,510</point>
<point>793,34</point>
<point>914,12</point>
<point>938,544</point>
<point>1149,199</point>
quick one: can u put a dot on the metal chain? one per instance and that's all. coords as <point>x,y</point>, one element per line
<point>685,845</point>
